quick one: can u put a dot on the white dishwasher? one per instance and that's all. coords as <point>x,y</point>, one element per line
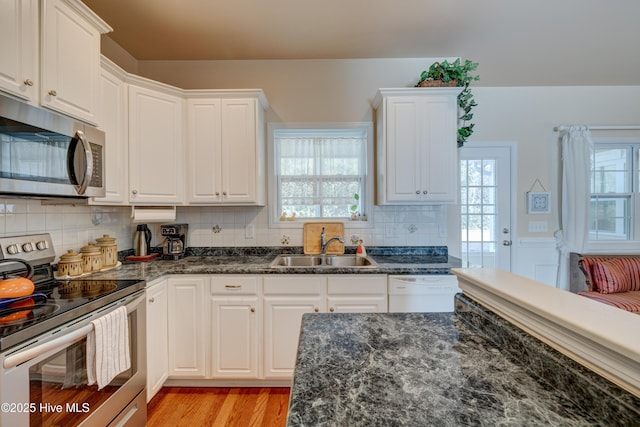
<point>425,294</point>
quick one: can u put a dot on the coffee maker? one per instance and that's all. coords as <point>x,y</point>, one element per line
<point>175,240</point>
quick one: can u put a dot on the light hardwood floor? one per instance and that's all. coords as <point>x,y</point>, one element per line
<point>214,406</point>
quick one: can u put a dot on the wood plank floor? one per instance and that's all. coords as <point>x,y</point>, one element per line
<point>218,406</point>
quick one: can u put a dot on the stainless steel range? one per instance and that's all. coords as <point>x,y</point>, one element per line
<point>43,345</point>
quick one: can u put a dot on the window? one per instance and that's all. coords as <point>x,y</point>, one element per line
<point>614,191</point>
<point>320,172</point>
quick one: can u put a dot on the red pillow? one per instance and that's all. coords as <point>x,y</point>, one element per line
<point>632,268</point>
<point>611,276</point>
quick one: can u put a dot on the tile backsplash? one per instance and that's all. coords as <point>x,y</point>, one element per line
<point>73,226</point>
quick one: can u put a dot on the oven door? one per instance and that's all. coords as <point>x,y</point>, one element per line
<point>45,382</point>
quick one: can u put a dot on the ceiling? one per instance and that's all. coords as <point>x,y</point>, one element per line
<point>545,42</point>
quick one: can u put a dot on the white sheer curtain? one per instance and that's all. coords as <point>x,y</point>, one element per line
<point>576,182</point>
<point>318,174</point>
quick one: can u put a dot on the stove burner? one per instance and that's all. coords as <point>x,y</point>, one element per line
<point>17,316</point>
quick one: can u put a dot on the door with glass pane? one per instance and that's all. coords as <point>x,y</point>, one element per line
<point>485,207</point>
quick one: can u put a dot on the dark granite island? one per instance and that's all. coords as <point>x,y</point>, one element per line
<point>442,369</point>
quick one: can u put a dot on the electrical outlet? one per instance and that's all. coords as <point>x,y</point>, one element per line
<point>249,232</point>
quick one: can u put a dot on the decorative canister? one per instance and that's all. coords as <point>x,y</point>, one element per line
<point>91,258</point>
<point>109,250</point>
<point>70,264</point>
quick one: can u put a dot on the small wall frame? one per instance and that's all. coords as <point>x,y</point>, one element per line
<point>539,202</point>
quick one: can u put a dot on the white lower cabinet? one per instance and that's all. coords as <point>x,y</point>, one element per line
<point>157,335</point>
<point>286,299</point>
<point>187,326</point>
<point>243,327</point>
<point>235,314</point>
<point>357,294</point>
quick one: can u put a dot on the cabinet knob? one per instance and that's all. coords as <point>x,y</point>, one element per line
<point>217,193</point>
<point>316,309</point>
<point>332,309</point>
<point>134,191</point>
<point>224,193</point>
<point>417,191</point>
<point>253,309</point>
<point>53,93</point>
<point>28,82</point>
<point>152,300</point>
<point>425,192</point>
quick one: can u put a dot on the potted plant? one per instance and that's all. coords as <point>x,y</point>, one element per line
<point>355,215</point>
<point>458,74</point>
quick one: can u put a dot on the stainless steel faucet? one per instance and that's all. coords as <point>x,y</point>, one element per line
<point>324,244</point>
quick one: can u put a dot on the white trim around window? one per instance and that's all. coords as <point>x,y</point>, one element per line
<point>274,214</point>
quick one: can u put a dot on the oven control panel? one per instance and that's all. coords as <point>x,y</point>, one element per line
<point>34,248</point>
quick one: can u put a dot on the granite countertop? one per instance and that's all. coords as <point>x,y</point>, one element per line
<point>417,261</point>
<point>443,369</point>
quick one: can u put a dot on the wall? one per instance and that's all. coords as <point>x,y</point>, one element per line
<point>342,90</point>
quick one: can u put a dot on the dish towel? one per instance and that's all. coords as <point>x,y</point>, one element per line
<point>108,348</point>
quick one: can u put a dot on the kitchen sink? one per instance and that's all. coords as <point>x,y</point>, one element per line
<point>324,261</point>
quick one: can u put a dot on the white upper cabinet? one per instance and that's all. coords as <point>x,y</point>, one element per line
<point>155,147</point>
<point>19,47</point>
<point>70,59</point>
<point>113,121</point>
<point>226,147</point>
<point>417,159</point>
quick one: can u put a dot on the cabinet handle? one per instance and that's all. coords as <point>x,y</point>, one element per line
<point>152,300</point>
<point>53,93</point>
<point>232,286</point>
<point>28,82</point>
<point>332,309</point>
<point>253,310</point>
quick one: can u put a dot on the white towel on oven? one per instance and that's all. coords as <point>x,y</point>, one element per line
<point>108,348</point>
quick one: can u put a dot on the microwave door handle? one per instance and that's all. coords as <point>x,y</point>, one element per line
<point>59,343</point>
<point>89,161</point>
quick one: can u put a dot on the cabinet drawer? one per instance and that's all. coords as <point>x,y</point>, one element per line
<point>234,285</point>
<point>356,284</point>
<point>302,284</point>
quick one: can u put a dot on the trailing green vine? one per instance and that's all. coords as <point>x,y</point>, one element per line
<point>455,74</point>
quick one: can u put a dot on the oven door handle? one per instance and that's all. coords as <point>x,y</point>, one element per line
<point>58,343</point>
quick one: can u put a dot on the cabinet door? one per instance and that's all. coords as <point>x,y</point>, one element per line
<point>113,103</point>
<point>234,337</point>
<point>403,138</point>
<point>155,147</point>
<point>235,313</point>
<point>286,299</point>
<point>187,321</point>
<point>157,338</point>
<point>357,294</point>
<point>70,64</point>
<point>204,136</point>
<point>239,151</point>
<point>440,152</point>
<point>19,47</point>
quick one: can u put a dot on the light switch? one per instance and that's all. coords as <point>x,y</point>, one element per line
<point>538,226</point>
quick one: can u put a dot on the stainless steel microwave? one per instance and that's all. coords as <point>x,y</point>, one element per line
<point>47,155</point>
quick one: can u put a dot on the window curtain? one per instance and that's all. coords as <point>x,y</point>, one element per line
<point>577,146</point>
